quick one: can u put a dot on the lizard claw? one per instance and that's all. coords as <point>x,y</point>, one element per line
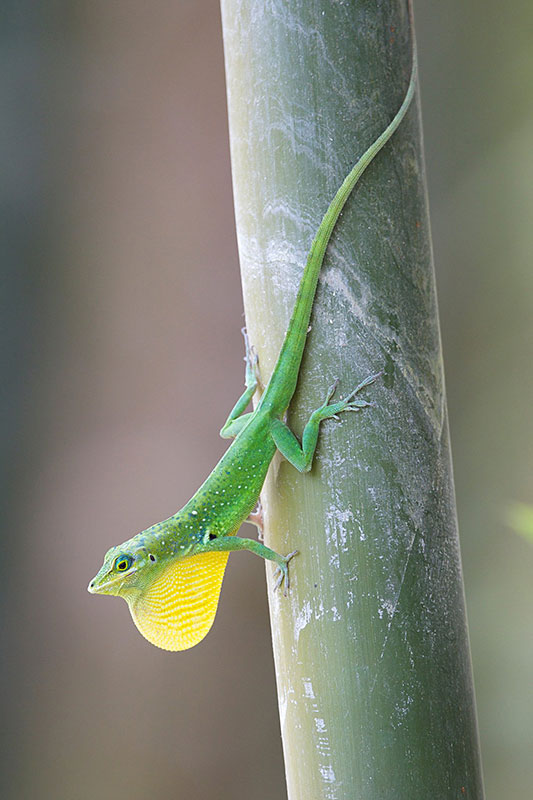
<point>366,382</point>
<point>330,392</point>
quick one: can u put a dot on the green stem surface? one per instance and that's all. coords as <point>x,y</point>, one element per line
<point>371,646</point>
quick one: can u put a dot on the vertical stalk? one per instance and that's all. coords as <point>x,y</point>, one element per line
<point>371,646</point>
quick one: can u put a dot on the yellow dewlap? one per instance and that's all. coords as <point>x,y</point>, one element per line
<point>178,609</point>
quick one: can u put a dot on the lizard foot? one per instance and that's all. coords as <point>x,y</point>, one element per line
<point>283,570</point>
<point>330,410</point>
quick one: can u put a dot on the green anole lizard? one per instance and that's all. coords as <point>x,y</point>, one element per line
<point>171,574</point>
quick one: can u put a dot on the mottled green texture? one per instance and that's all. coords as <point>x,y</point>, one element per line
<point>372,655</point>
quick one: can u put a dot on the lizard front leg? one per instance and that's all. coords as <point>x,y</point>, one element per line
<point>237,419</point>
<point>224,544</point>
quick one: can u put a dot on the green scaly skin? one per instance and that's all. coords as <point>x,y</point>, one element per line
<point>209,521</point>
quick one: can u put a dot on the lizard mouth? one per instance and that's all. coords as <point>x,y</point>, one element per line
<point>102,588</point>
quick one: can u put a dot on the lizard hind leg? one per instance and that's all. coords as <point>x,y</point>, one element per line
<point>178,608</point>
<point>301,455</point>
<point>257,518</point>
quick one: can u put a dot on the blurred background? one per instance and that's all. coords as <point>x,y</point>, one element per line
<point>121,355</point>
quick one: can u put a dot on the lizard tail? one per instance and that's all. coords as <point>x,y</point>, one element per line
<point>282,384</point>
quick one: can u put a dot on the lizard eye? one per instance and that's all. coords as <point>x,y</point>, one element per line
<point>123,563</point>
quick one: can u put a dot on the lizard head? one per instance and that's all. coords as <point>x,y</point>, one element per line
<point>126,570</point>
<point>172,600</point>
